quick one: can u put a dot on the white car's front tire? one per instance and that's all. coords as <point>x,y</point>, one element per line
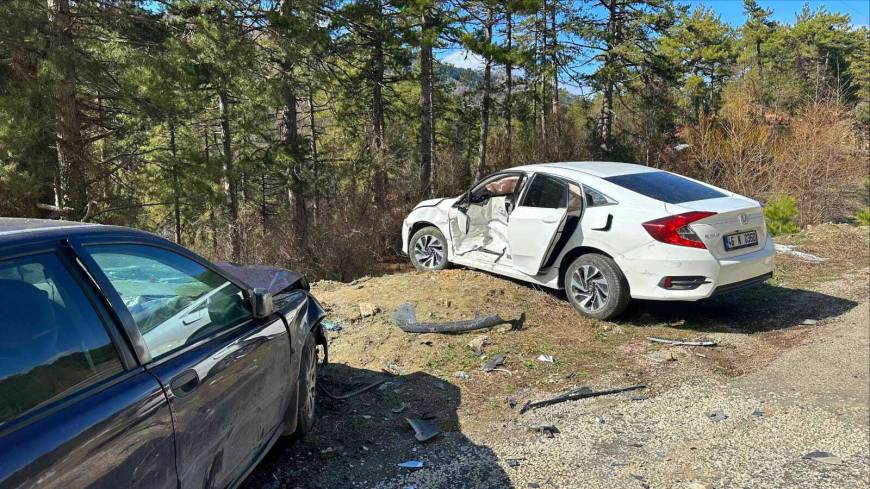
<point>596,287</point>
<point>428,249</point>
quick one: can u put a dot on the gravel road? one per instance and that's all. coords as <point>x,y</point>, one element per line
<point>813,398</point>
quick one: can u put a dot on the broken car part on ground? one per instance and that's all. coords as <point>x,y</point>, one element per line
<point>575,394</point>
<point>405,318</point>
<point>667,341</point>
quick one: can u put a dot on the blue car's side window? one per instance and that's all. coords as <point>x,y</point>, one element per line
<point>174,301</point>
<point>51,339</point>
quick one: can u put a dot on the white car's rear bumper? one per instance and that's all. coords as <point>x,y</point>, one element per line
<point>646,268</point>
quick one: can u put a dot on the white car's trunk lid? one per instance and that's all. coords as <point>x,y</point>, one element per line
<point>734,215</point>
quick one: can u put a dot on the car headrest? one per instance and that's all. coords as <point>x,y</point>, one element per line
<point>26,311</point>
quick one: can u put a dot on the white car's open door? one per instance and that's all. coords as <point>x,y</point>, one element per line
<point>531,233</point>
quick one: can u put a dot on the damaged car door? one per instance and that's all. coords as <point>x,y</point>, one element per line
<point>478,221</point>
<point>225,372</point>
<point>537,222</point>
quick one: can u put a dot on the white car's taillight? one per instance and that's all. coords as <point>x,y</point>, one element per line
<point>675,230</point>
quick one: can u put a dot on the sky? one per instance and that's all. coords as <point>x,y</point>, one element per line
<point>731,11</point>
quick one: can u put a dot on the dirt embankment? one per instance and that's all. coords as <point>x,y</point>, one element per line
<point>794,350</point>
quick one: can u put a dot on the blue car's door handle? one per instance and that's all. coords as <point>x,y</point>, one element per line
<point>184,383</point>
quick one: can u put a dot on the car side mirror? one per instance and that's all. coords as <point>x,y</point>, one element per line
<point>261,303</point>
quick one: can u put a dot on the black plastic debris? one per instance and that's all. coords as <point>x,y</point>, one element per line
<point>547,430</point>
<point>405,318</point>
<point>575,394</point>
<point>493,363</point>
<point>667,341</point>
<point>423,430</point>
<point>353,392</point>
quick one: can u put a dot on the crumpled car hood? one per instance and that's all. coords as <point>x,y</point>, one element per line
<point>273,279</point>
<point>444,203</point>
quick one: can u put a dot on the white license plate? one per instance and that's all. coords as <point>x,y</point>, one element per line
<point>741,240</point>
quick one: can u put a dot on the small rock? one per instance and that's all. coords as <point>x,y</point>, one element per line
<point>824,457</point>
<point>494,363</point>
<point>809,322</point>
<point>366,309</point>
<point>328,453</point>
<point>533,485</point>
<point>717,416</point>
<point>512,403</point>
<point>461,375</point>
<point>599,419</point>
<point>392,369</point>
<point>546,358</point>
<point>696,485</point>
<point>758,413</point>
<point>478,344</point>
<point>513,462</point>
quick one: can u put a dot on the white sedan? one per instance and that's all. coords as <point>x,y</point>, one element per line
<point>605,232</point>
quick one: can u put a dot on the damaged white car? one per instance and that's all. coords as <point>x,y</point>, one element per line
<point>604,232</point>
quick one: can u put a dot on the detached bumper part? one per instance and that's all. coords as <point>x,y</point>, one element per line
<point>405,318</point>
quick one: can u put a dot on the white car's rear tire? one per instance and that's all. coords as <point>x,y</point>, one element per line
<point>596,287</point>
<point>428,249</point>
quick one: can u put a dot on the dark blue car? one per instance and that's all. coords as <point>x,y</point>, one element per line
<point>127,361</point>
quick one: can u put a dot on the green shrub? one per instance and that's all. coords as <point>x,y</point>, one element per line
<point>863,217</point>
<point>781,214</point>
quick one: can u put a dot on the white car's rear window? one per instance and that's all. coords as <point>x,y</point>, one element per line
<point>666,187</point>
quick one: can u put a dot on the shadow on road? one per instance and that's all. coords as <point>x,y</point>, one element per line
<point>359,442</point>
<point>763,307</point>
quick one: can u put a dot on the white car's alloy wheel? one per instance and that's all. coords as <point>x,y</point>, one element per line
<point>596,287</point>
<point>589,288</point>
<point>429,251</point>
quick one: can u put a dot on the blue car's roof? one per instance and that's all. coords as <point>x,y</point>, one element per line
<point>21,230</point>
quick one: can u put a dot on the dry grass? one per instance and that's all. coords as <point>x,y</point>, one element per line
<point>758,325</point>
<point>815,156</point>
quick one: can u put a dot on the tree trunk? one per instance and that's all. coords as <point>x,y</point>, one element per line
<point>509,86</point>
<point>71,161</point>
<point>231,206</point>
<point>212,222</point>
<point>534,77</point>
<point>555,66</point>
<point>760,63</point>
<point>605,116</point>
<point>176,188</point>
<point>295,184</point>
<point>484,111</point>
<point>313,148</point>
<point>377,81</point>
<point>426,119</point>
<point>542,61</point>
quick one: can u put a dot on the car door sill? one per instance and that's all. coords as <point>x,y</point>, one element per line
<point>509,271</point>
<point>276,435</point>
